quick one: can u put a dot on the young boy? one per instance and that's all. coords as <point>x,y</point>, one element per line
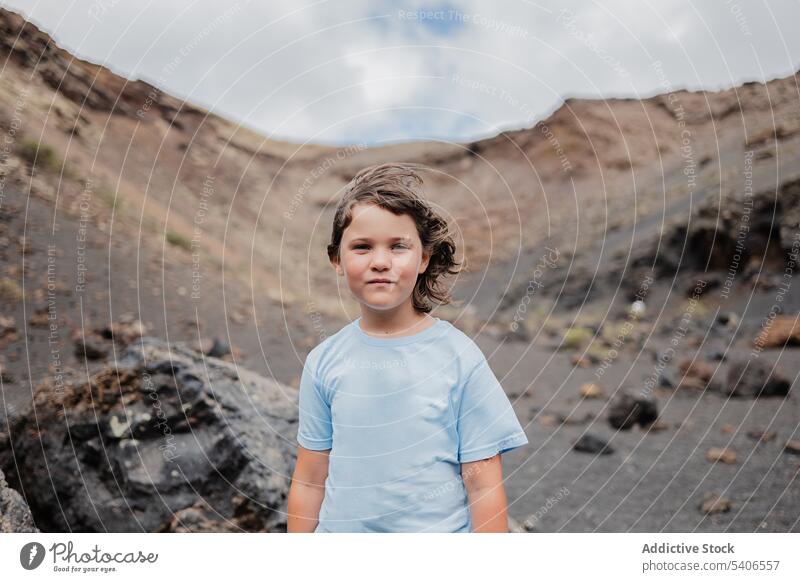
<point>402,421</point>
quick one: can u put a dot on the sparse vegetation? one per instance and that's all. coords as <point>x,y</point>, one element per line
<point>110,197</point>
<point>178,240</point>
<point>40,155</point>
<point>576,338</point>
<point>10,290</point>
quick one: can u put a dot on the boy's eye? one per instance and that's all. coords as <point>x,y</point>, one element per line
<point>365,246</point>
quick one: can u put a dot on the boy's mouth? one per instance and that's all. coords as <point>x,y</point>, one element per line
<point>384,281</point>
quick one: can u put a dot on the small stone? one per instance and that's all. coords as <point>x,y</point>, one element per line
<point>722,455</point>
<point>728,429</point>
<point>6,376</point>
<point>628,410</point>
<point>659,426</point>
<point>592,444</point>
<point>90,349</point>
<point>579,361</point>
<point>548,420</point>
<point>714,503</point>
<point>574,419</point>
<point>118,428</point>
<point>762,435</point>
<point>697,374</point>
<point>591,390</point>
<point>219,349</point>
<point>792,447</point>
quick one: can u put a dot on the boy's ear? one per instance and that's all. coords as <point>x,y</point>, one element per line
<point>338,266</point>
<point>426,258</point>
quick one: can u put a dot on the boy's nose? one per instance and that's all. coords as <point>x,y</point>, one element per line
<point>380,260</point>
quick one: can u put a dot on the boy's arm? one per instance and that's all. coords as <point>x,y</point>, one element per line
<point>487,497</point>
<point>307,490</point>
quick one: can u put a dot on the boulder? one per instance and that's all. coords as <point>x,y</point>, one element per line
<point>627,410</point>
<point>783,330</point>
<point>696,374</point>
<point>750,378</point>
<point>15,515</point>
<point>168,440</point>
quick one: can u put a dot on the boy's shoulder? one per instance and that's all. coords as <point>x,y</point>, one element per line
<point>329,342</point>
<point>464,345</point>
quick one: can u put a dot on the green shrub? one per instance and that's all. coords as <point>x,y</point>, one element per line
<point>41,155</point>
<point>10,290</point>
<point>576,338</point>
<point>178,240</point>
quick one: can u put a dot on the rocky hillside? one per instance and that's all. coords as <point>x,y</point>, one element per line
<point>127,212</point>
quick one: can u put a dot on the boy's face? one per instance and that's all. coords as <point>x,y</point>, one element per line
<point>379,245</point>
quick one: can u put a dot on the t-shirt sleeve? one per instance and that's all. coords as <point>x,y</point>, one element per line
<point>486,424</point>
<point>315,430</point>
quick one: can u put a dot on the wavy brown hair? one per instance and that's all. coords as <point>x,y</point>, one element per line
<point>396,187</point>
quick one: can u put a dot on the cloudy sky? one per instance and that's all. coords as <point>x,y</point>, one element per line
<point>358,71</point>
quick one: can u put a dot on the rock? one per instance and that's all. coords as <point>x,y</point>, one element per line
<point>792,447</point>
<point>696,374</point>
<point>752,378</point>
<point>727,429</point>
<point>549,420</point>
<point>711,241</point>
<point>90,349</point>
<point>627,410</point>
<point>699,288</point>
<point>728,319</point>
<point>15,515</point>
<point>783,330</point>
<point>574,419</point>
<point>219,349</point>
<point>721,455</point>
<point>6,376</point>
<point>199,518</point>
<point>591,390</point>
<point>7,326</point>
<point>713,503</point>
<point>580,361</point>
<point>717,356</point>
<point>151,440</point>
<point>591,444</point>
<point>40,318</point>
<point>762,435</point>
<point>125,330</point>
<point>659,426</point>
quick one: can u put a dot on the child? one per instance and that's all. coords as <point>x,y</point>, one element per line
<point>402,421</point>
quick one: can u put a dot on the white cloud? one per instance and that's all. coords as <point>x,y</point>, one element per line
<point>390,75</point>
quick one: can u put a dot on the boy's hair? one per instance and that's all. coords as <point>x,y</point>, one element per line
<point>395,187</point>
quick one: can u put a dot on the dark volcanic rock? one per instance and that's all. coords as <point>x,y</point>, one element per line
<point>15,516</point>
<point>628,410</point>
<point>750,378</point>
<point>163,437</point>
<point>90,348</point>
<point>711,240</point>
<point>591,444</point>
<point>219,349</point>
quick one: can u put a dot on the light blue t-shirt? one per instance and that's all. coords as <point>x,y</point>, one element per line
<point>400,415</point>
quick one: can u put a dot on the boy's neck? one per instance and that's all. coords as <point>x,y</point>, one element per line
<point>394,323</point>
